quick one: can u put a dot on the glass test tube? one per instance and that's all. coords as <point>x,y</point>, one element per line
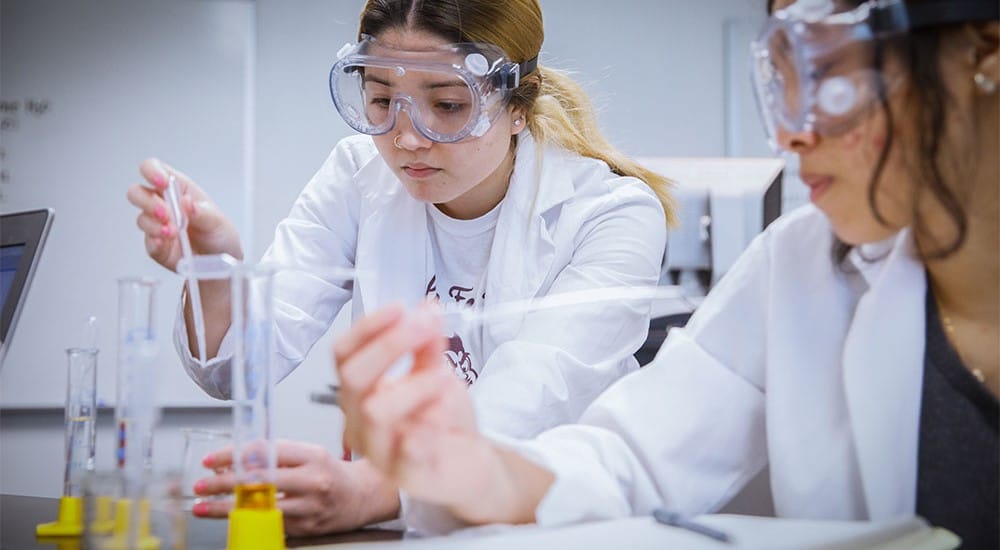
<point>252,324</point>
<point>136,410</point>
<point>81,417</point>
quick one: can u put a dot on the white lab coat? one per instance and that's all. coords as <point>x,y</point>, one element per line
<point>567,223</point>
<point>790,362</point>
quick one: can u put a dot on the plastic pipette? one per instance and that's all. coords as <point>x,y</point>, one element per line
<point>174,197</point>
<point>506,310</point>
<point>463,315</point>
<point>564,299</point>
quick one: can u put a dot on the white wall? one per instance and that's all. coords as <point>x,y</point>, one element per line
<point>656,69</point>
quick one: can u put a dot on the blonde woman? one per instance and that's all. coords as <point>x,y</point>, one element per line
<point>479,177</point>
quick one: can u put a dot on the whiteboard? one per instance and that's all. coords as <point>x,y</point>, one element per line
<point>87,90</point>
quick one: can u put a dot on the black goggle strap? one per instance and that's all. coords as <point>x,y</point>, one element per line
<point>931,14</point>
<point>528,66</point>
<point>507,79</point>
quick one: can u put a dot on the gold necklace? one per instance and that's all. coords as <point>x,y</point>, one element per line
<point>950,329</point>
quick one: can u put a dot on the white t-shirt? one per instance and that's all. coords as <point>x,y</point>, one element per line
<point>461,250</point>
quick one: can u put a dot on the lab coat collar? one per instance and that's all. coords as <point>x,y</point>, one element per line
<point>524,248</point>
<point>883,361</point>
<point>392,253</point>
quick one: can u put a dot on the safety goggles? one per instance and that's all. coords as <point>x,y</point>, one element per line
<point>817,63</point>
<point>449,92</point>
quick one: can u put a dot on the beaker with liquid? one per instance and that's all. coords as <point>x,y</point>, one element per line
<point>80,439</point>
<point>255,521</point>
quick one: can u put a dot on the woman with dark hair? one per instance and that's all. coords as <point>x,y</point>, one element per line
<point>866,379</point>
<point>480,177</point>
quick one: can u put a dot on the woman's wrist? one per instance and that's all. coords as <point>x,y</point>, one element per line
<point>381,496</point>
<point>509,490</point>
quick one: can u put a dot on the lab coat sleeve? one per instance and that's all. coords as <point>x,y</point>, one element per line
<point>318,236</point>
<point>561,359</point>
<point>685,432</point>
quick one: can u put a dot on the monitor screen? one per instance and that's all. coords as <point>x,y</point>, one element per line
<point>10,258</point>
<point>22,236</point>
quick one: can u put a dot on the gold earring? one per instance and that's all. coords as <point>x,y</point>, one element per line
<point>395,141</point>
<point>984,84</point>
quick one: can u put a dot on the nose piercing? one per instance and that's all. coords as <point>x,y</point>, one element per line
<point>395,141</point>
<point>984,83</point>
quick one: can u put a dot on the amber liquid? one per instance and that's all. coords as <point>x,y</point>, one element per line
<point>256,496</point>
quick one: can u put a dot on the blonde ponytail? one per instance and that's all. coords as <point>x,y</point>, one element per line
<point>561,113</point>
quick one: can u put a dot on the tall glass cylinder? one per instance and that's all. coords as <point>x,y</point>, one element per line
<point>252,328</point>
<point>255,521</point>
<point>81,417</point>
<point>136,409</point>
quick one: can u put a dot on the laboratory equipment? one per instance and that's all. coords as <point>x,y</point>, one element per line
<point>80,419</point>
<point>199,442</point>
<point>194,292</point>
<point>136,411</point>
<point>369,77</point>
<point>658,297</point>
<point>723,203</point>
<point>255,522</point>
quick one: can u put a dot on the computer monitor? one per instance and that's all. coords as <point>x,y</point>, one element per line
<point>22,236</point>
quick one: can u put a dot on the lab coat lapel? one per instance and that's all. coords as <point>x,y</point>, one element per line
<point>392,240</point>
<point>523,247</point>
<point>883,362</point>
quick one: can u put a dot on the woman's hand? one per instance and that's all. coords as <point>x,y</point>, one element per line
<point>419,429</point>
<point>210,231</point>
<point>382,414</point>
<point>320,493</point>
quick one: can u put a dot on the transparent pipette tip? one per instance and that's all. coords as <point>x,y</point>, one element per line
<point>90,333</point>
<point>174,198</point>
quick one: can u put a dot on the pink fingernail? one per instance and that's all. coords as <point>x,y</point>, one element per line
<point>165,230</point>
<point>208,461</point>
<point>200,509</point>
<point>199,486</point>
<point>161,213</point>
<point>159,180</point>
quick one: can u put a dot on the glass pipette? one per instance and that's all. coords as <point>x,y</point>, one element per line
<point>174,198</point>
<point>512,309</point>
<point>564,299</point>
<point>456,314</point>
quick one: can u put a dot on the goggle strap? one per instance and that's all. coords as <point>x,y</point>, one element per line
<point>528,66</point>
<point>931,14</point>
<point>507,79</point>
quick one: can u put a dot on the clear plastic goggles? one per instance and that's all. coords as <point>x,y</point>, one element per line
<point>448,93</point>
<point>815,68</point>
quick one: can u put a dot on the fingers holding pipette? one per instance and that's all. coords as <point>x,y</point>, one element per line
<point>158,232</point>
<point>209,230</point>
